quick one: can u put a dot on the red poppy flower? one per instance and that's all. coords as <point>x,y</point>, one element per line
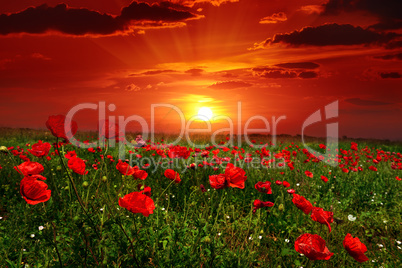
<point>217,181</point>
<point>235,176</point>
<point>397,178</point>
<point>263,187</point>
<point>373,168</point>
<point>353,146</point>
<point>172,175</point>
<point>57,125</point>
<point>324,179</point>
<point>291,166</point>
<point>30,168</point>
<point>322,146</point>
<point>278,182</point>
<point>124,168</point>
<point>34,190</point>
<point>313,247</point>
<point>179,152</point>
<point>77,165</point>
<point>70,154</point>
<point>355,248</point>
<point>261,204</point>
<point>24,157</point>
<point>302,203</point>
<point>204,153</point>
<point>144,189</point>
<point>40,149</point>
<point>202,188</point>
<point>308,174</point>
<point>323,217</point>
<point>192,166</point>
<point>286,184</point>
<point>140,174</point>
<point>137,202</point>
<point>291,191</point>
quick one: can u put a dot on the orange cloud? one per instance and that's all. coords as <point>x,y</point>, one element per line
<point>312,9</point>
<point>274,18</point>
<point>191,3</point>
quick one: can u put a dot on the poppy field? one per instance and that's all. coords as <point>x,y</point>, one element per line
<point>262,204</point>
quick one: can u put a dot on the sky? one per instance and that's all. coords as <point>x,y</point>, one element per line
<point>242,59</point>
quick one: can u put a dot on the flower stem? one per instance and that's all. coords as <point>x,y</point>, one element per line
<point>116,215</point>
<point>165,190</point>
<point>75,188</point>
<point>55,244</point>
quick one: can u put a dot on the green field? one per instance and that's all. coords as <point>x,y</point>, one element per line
<point>192,228</point>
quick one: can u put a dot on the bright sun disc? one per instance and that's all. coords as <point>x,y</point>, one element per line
<point>205,114</point>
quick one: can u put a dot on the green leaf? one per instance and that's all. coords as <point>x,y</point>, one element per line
<point>286,252</point>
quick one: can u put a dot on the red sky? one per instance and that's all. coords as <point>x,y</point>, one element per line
<point>278,58</point>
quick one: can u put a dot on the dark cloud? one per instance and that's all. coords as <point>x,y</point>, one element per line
<point>143,11</point>
<point>387,24</point>
<point>194,72</point>
<point>329,35</point>
<point>397,56</point>
<point>394,45</point>
<point>361,102</point>
<point>308,74</point>
<point>388,12</point>
<point>298,65</point>
<point>230,85</point>
<point>390,75</point>
<point>154,72</point>
<point>81,21</point>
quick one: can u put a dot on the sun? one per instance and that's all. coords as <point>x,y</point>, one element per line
<point>205,114</point>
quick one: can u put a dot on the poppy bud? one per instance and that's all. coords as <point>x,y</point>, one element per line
<point>281,207</point>
<point>85,184</point>
<point>104,179</point>
<point>3,149</point>
<point>58,168</point>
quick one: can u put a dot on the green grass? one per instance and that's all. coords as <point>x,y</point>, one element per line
<point>190,228</point>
